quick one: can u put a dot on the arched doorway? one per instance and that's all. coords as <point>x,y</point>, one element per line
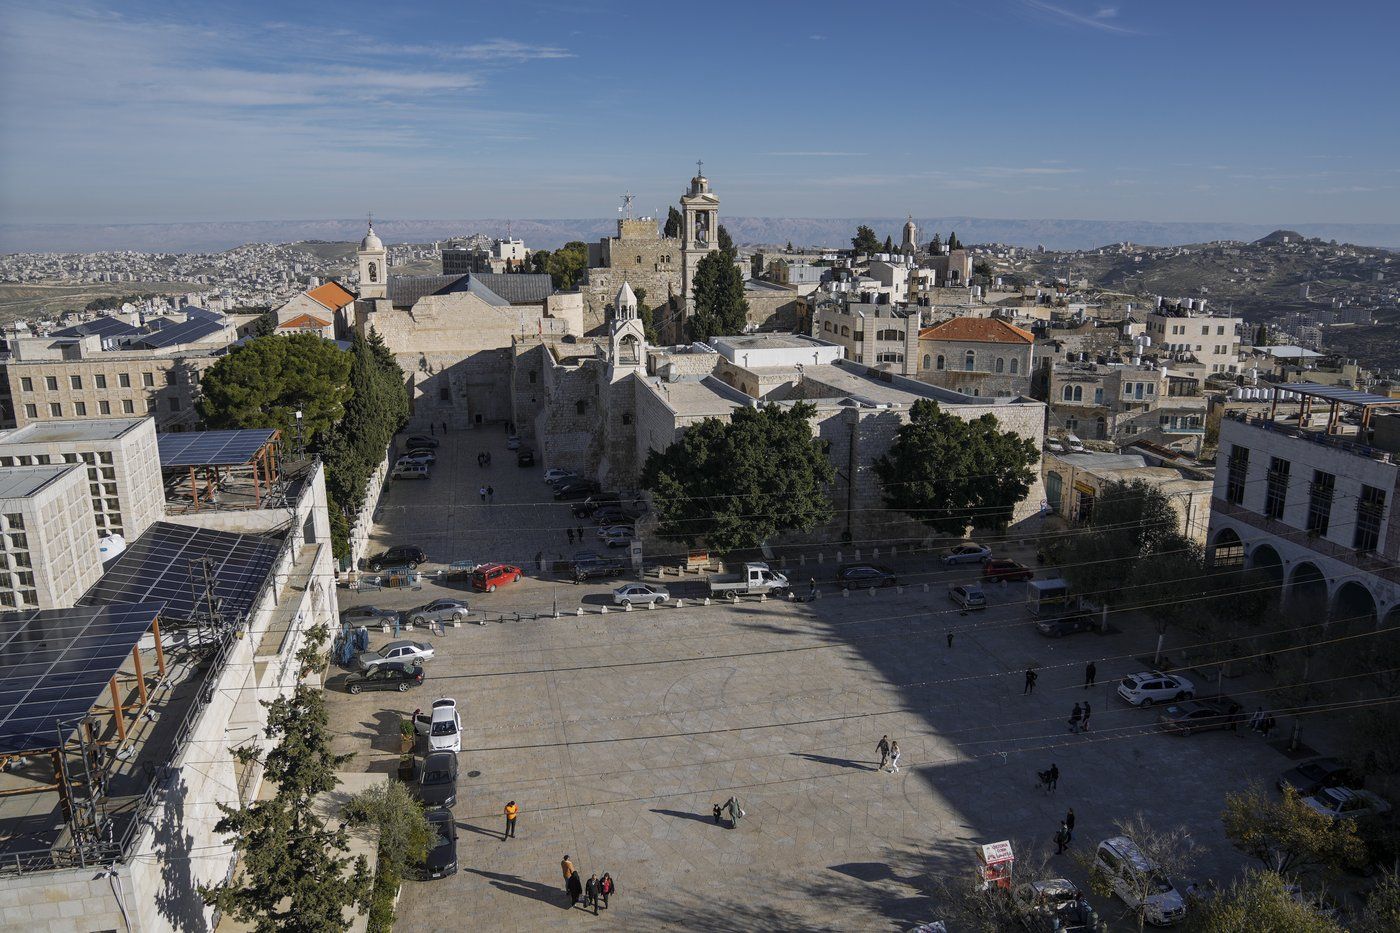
<point>1307,590</point>
<point>1353,607</point>
<point>1054,489</point>
<point>1266,560</point>
<point>1227,550</point>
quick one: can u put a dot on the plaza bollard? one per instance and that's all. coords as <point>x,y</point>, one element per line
<point>894,550</point>
<point>877,553</point>
<point>604,610</point>
<point>707,600</point>
<point>838,557</point>
<point>626,607</point>
<point>925,587</point>
<point>899,591</point>
<point>456,622</point>
<point>680,604</point>
<point>872,592</point>
<point>802,560</point>
<point>652,604</point>
<point>820,557</point>
<point>817,594</point>
<point>763,597</point>
<point>580,610</point>
<point>845,593</point>
<point>556,613</point>
<point>857,553</point>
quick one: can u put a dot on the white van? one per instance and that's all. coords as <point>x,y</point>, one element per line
<point>1137,882</point>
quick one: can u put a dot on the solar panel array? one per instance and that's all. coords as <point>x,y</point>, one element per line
<point>158,567</point>
<point>196,313</point>
<point>187,332</point>
<point>211,448</point>
<point>106,327</point>
<point>57,663</point>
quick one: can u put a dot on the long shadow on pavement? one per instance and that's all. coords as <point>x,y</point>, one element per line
<point>687,815</point>
<point>514,884</point>
<point>839,762</point>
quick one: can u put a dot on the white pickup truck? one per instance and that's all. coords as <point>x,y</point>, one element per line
<point>755,579</point>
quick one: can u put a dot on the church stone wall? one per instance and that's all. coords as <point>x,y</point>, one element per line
<point>600,288</point>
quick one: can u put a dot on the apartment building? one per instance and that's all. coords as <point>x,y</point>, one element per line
<point>50,553</point>
<point>883,336</point>
<point>1197,341</point>
<point>1125,402</point>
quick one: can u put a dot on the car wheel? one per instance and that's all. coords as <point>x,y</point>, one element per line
<point>491,588</point>
<point>403,687</point>
<point>413,565</point>
<point>1146,702</point>
<point>459,617</point>
<point>353,688</point>
<point>626,604</point>
<point>419,620</point>
<point>517,577</point>
<point>376,567</point>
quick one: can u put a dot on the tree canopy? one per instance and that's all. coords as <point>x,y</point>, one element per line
<point>566,264</point>
<point>865,241</point>
<point>726,244</point>
<point>295,874</point>
<point>1260,900</point>
<point>949,473</point>
<point>1286,835</point>
<point>935,245</point>
<point>675,223</point>
<point>737,483</point>
<point>720,307</point>
<point>263,383</point>
<point>953,241</point>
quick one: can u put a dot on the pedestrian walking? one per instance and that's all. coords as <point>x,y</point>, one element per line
<point>539,562</point>
<point>1054,775</point>
<point>719,809</point>
<point>1267,725</point>
<point>488,458</point>
<point>430,428</point>
<point>1091,671</point>
<point>1031,677</point>
<point>736,812</point>
<point>884,749</point>
<point>490,493</point>
<point>894,757</point>
<point>512,811</point>
<point>1061,839</point>
<point>950,638</point>
<point>568,868</point>
<point>571,534</point>
<point>444,427</point>
<point>580,534</point>
<point>1069,823</point>
<point>590,893</point>
<point>606,888</point>
<point>1256,718</point>
<point>812,588</point>
<point>481,491</point>
<point>575,889</point>
<point>1074,717</point>
<point>1084,723</point>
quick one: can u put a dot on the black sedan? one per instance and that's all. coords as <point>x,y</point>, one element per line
<point>369,615</point>
<point>437,782</point>
<point>390,675</point>
<point>1200,715</point>
<point>442,850</point>
<point>864,576</point>
<point>1067,625</point>
<point>1318,774</point>
<point>421,440</point>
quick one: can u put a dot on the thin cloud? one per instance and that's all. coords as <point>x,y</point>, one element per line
<point>507,50</point>
<point>1100,19</point>
<point>1006,171</point>
<point>811,153</point>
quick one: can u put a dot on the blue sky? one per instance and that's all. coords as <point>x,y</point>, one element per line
<point>1194,111</point>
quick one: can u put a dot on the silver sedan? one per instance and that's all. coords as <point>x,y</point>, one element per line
<point>439,610</point>
<point>640,593</point>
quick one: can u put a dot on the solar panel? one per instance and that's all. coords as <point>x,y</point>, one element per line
<point>211,448</point>
<point>196,313</point>
<point>106,327</point>
<point>57,663</point>
<point>187,332</point>
<point>163,564</point>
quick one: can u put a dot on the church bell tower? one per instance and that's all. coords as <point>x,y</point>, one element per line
<point>700,236</point>
<point>374,266</point>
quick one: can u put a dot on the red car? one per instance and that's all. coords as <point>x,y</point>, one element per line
<point>1002,569</point>
<point>489,576</point>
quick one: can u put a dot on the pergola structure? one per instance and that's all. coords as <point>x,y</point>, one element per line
<point>1334,397</point>
<point>210,458</point>
<point>62,678</point>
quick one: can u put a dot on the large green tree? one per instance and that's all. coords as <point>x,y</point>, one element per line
<point>949,473</point>
<point>1261,900</point>
<point>566,264</point>
<point>1286,835</point>
<point>726,244</point>
<point>865,241</point>
<point>720,307</point>
<point>295,876</point>
<point>263,383</point>
<point>675,223</point>
<point>737,483</point>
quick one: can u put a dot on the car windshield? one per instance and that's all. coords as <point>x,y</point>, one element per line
<point>446,727</point>
<point>437,776</point>
<point>1314,771</point>
<point>1160,885</point>
<point>444,836</point>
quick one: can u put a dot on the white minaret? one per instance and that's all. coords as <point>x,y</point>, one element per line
<point>374,266</point>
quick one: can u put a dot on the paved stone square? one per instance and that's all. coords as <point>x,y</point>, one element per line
<point>617,733</point>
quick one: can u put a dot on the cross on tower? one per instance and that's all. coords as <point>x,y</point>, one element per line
<point>699,166</point>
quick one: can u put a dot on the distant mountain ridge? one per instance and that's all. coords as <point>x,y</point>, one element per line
<point>215,236</point>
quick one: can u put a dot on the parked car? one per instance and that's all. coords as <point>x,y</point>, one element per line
<point>969,596</point>
<point>439,610</point>
<point>525,457</point>
<point>1346,803</point>
<point>604,499</point>
<point>1200,715</point>
<point>587,565</point>
<point>966,554</point>
<point>640,593</point>
<point>1148,687</point>
<point>421,440</point>
<point>1065,625</point>
<point>619,536</point>
<point>410,471</point>
<point>1003,569</point>
<point>437,781</point>
<point>401,650</point>
<point>489,576</point>
<point>442,850</point>
<point>400,555</point>
<point>1052,905</point>
<point>575,489</point>
<point>513,442</point>
<point>392,675</point>
<point>1139,883</point>
<point>444,726</point>
<point>419,455</point>
<point>864,576</point>
<point>369,615</point>
<point>604,530</point>
<point>1317,774</point>
<point>555,475</point>
<point>611,515</point>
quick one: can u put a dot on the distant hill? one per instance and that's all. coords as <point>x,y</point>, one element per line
<point>1287,236</point>
<point>214,236</point>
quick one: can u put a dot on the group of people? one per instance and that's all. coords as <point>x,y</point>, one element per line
<point>735,810</point>
<point>592,892</point>
<point>483,459</point>
<point>1079,717</point>
<point>488,493</point>
<point>1065,835</point>
<point>572,534</point>
<point>889,754</point>
<point>1261,721</point>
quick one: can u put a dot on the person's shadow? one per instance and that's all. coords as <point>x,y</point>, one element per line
<point>841,762</point>
<point>514,884</point>
<point>697,817</point>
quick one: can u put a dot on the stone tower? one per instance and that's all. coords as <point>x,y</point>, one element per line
<point>911,237</point>
<point>700,234</point>
<point>374,266</point>
<point>627,350</point>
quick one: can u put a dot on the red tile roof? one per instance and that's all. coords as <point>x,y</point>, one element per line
<point>977,330</point>
<point>303,321</point>
<point>331,295</point>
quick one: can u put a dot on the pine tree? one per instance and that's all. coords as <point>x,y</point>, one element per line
<point>675,223</point>
<point>865,242</point>
<point>720,307</point>
<point>935,245</point>
<point>726,244</point>
<point>889,243</point>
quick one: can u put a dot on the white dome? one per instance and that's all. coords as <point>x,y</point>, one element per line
<point>371,241</point>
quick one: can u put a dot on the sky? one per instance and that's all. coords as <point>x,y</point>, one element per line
<point>1227,110</point>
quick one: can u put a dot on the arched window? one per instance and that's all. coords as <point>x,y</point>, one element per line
<point>1013,366</point>
<point>845,331</point>
<point>374,272</point>
<point>928,361</point>
<point>969,361</point>
<point>1001,364</point>
<point>939,365</point>
<point>1069,393</point>
<point>826,325</point>
<point>1079,393</point>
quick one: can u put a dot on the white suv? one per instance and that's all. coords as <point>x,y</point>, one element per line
<point>445,727</point>
<point>1137,882</point>
<point>1148,687</point>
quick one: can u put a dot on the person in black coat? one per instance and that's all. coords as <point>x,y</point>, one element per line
<point>575,889</point>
